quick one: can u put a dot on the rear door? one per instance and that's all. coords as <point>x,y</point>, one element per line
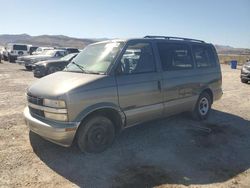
<point>138,84</point>
<point>207,68</point>
<point>179,80</point>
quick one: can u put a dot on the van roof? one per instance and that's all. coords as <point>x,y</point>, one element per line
<point>164,38</point>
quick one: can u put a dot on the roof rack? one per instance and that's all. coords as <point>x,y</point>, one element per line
<point>173,38</point>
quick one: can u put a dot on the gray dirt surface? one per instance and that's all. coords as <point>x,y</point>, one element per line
<point>173,152</point>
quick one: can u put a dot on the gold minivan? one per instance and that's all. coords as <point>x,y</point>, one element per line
<point>115,84</point>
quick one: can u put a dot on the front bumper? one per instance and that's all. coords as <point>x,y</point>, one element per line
<point>57,132</point>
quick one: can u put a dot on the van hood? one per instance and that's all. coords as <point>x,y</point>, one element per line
<point>55,85</point>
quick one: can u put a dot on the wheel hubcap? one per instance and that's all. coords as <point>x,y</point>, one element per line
<point>98,136</point>
<point>203,106</point>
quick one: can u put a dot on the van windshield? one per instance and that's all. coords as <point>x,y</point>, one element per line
<point>95,58</point>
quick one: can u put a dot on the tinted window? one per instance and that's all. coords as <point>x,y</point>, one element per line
<point>72,50</point>
<point>204,56</point>
<point>138,58</point>
<point>20,47</point>
<point>32,49</point>
<point>175,56</point>
<point>60,54</point>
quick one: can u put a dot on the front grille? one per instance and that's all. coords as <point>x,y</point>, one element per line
<point>36,112</point>
<point>36,101</point>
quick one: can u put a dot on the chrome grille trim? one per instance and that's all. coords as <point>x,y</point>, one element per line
<point>48,109</point>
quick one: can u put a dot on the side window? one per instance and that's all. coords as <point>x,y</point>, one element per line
<point>204,56</point>
<point>138,58</point>
<point>175,56</point>
<point>59,54</point>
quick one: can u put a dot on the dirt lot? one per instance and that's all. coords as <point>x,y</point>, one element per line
<point>174,152</point>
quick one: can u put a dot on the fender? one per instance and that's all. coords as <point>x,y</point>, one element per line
<point>83,114</point>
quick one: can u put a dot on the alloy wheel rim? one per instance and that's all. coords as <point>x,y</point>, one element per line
<point>203,106</point>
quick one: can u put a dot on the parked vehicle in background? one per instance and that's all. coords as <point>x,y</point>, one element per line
<point>69,49</point>
<point>115,84</point>
<point>5,54</point>
<point>2,49</point>
<point>32,49</point>
<point>15,50</point>
<point>28,61</point>
<point>245,72</point>
<point>1,55</point>
<point>44,68</point>
<point>40,50</point>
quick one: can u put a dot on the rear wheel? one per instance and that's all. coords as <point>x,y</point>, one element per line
<point>203,107</point>
<point>11,60</point>
<point>96,134</point>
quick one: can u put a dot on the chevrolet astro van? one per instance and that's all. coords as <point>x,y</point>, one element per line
<point>115,84</point>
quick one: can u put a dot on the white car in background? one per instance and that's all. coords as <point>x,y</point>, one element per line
<point>40,50</point>
<point>14,50</point>
<point>2,49</point>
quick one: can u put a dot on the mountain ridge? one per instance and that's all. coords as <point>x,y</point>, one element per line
<point>66,41</point>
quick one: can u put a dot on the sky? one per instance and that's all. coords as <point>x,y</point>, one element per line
<point>225,22</point>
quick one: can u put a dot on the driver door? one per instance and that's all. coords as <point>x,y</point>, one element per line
<point>138,83</point>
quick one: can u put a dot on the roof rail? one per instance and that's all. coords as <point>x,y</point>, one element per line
<point>173,38</point>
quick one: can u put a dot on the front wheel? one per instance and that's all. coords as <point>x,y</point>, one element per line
<point>96,134</point>
<point>29,68</point>
<point>244,81</point>
<point>203,107</point>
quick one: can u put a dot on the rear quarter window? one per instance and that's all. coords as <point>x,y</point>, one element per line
<point>204,56</point>
<point>175,56</point>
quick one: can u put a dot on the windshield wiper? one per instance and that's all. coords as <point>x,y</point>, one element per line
<point>79,66</point>
<point>83,69</point>
<point>93,72</point>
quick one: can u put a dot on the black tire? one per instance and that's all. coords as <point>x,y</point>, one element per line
<point>10,59</point>
<point>202,107</point>
<point>5,58</point>
<point>29,68</point>
<point>244,81</point>
<point>96,134</point>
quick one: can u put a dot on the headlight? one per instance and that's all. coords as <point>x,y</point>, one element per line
<point>58,117</point>
<point>54,103</point>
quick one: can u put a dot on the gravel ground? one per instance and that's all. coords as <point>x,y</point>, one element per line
<point>174,152</point>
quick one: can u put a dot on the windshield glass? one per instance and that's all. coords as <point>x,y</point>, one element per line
<point>95,58</point>
<point>68,57</point>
